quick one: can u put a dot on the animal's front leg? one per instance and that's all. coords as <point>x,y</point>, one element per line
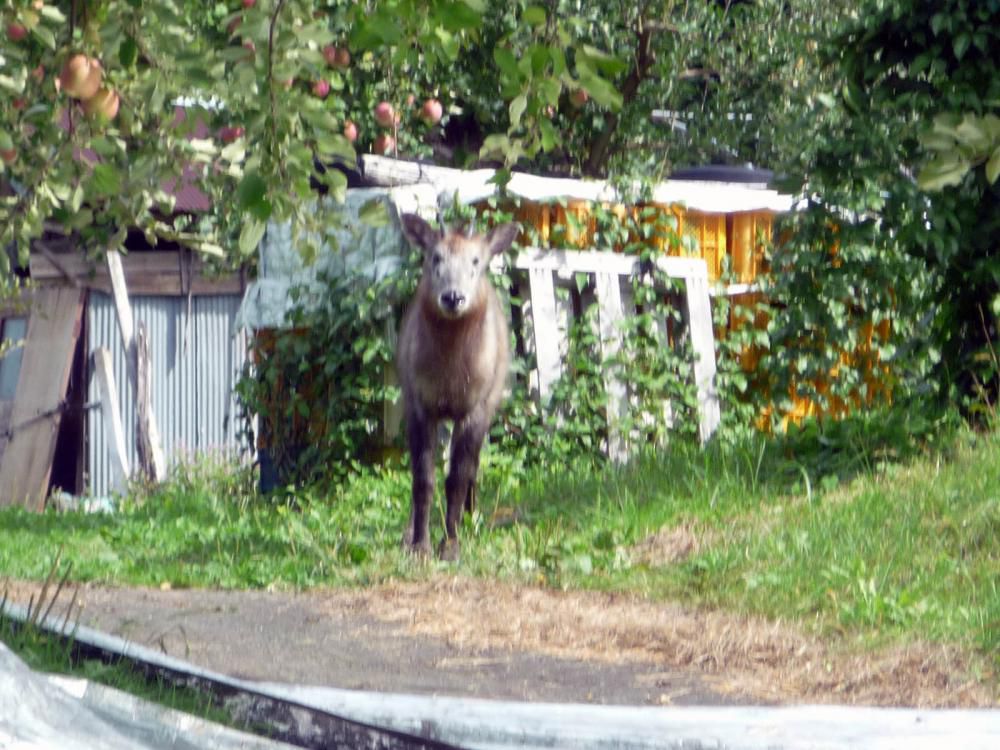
<point>420,436</point>
<point>466,443</point>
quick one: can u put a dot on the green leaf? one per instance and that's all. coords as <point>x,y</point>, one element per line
<point>252,190</point>
<point>251,195</point>
<point>826,100</point>
<point>385,28</point>
<point>534,15</point>
<point>52,13</point>
<point>458,17</point>
<point>972,134</point>
<point>603,61</point>
<point>374,213</point>
<point>942,172</point>
<point>550,136</point>
<point>106,180</point>
<point>517,107</point>
<point>601,91</point>
<point>251,235</point>
<point>495,145</point>
<point>128,53</point>
<point>6,143</point>
<point>45,35</point>
<point>507,63</point>
<point>960,44</point>
<point>993,166</point>
<point>335,145</point>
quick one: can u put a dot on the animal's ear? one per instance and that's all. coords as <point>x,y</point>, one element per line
<point>419,232</point>
<point>500,238</point>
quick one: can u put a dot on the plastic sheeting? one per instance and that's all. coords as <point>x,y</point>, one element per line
<point>356,246</point>
<point>471,186</point>
<point>46,712</point>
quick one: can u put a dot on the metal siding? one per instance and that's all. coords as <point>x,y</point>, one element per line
<point>195,361</point>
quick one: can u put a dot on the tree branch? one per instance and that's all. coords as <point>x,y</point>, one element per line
<point>644,59</point>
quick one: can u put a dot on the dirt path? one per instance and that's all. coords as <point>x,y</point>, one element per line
<point>459,636</point>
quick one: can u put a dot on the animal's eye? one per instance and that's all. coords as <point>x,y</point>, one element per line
<point>437,258</point>
<point>475,261</point>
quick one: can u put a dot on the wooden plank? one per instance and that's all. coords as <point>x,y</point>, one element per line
<point>126,327</point>
<point>610,317</point>
<point>112,418</point>
<point>53,329</point>
<point>546,328</point>
<point>153,273</point>
<point>149,451</point>
<point>699,315</point>
<point>119,289</point>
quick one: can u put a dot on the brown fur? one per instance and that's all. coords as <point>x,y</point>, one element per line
<point>452,359</point>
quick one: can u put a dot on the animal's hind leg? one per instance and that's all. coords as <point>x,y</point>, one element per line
<point>460,486</point>
<point>421,435</point>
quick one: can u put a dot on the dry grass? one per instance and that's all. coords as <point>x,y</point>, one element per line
<point>668,546</point>
<point>748,657</point>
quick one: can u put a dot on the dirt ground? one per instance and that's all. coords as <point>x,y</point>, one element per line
<point>475,638</point>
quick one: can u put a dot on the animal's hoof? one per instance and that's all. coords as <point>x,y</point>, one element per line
<point>421,549</point>
<point>449,550</point>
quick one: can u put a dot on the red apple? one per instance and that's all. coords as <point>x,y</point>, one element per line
<point>81,76</point>
<point>385,115</point>
<point>337,57</point>
<point>321,88</point>
<point>249,3</point>
<point>8,155</point>
<point>16,32</point>
<point>230,134</point>
<point>19,103</point>
<point>350,131</point>
<point>102,105</point>
<point>38,74</point>
<point>431,112</point>
<point>384,144</point>
<point>578,97</point>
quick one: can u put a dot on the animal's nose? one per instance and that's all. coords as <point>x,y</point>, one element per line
<point>452,301</point>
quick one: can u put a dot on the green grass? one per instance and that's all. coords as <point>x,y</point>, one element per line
<point>48,653</point>
<point>885,529</point>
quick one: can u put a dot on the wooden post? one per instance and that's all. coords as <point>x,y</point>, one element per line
<point>112,418</point>
<point>148,434</point>
<point>52,333</point>
<point>543,317</point>
<point>699,315</point>
<point>610,316</point>
<point>147,452</point>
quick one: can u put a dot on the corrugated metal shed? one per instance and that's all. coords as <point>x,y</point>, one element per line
<point>196,355</point>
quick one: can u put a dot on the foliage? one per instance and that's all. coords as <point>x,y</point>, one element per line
<point>255,127</point>
<point>871,245</point>
<point>318,390</point>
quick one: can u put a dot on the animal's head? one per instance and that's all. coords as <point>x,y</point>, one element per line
<point>455,263</point>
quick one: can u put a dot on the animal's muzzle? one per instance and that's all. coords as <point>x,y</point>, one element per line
<point>452,302</point>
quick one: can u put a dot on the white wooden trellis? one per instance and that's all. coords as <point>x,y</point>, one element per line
<point>545,267</point>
